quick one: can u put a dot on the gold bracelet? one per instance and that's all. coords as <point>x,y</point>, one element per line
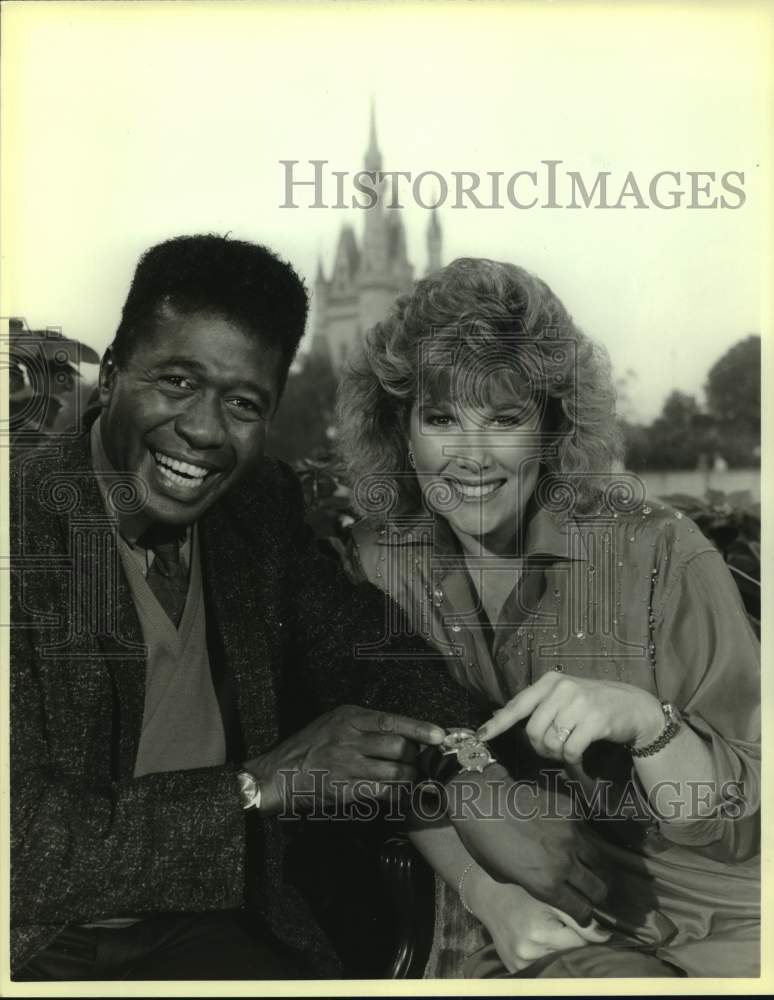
<point>461,886</point>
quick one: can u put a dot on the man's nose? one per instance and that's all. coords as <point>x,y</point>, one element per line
<point>201,424</point>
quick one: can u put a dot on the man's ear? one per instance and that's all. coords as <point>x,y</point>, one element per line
<point>107,377</point>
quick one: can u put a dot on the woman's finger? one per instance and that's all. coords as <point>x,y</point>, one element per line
<point>518,708</point>
<point>576,744</point>
<point>588,854</point>
<point>594,934</point>
<point>556,935</point>
<point>539,729</point>
<point>587,883</point>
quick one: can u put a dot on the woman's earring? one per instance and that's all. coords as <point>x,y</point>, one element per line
<point>411,459</point>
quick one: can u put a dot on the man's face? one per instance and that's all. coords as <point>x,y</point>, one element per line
<point>189,412</point>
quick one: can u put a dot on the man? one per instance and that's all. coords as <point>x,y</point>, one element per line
<point>181,650</point>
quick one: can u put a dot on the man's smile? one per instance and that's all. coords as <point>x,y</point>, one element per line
<point>182,479</point>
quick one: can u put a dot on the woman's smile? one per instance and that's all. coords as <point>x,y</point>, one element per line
<point>476,492</point>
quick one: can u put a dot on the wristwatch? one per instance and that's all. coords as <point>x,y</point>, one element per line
<point>249,790</point>
<point>460,752</point>
<point>672,723</point>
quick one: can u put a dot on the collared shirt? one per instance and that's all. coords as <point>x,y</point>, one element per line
<point>182,726</point>
<point>636,596</point>
<point>419,562</point>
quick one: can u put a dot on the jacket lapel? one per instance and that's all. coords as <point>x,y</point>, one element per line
<point>240,564</point>
<point>102,630</point>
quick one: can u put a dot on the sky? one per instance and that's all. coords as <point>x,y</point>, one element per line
<point>125,124</point>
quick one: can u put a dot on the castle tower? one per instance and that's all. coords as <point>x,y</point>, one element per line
<point>342,319</point>
<point>319,306</point>
<point>434,243</point>
<point>373,157</point>
<point>374,233</point>
<point>365,280</point>
<point>386,270</point>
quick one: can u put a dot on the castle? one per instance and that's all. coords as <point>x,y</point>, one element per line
<point>366,280</point>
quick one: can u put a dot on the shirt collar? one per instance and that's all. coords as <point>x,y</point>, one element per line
<point>548,534</point>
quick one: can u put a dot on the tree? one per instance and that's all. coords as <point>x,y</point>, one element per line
<point>734,387</point>
<point>675,440</point>
<point>683,436</point>
<point>734,400</point>
<point>301,427</point>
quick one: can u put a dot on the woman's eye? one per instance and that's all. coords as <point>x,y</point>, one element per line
<point>438,419</point>
<point>507,419</point>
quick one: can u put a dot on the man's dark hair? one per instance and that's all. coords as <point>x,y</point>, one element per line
<point>241,282</point>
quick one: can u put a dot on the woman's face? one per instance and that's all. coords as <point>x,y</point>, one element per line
<point>478,467</point>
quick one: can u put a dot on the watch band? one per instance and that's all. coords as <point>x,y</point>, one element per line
<point>672,726</point>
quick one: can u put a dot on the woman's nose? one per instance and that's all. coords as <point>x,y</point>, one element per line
<point>471,455</point>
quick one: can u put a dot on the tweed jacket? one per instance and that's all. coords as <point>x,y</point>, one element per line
<point>89,840</point>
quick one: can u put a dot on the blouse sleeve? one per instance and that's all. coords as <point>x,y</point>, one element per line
<point>708,666</point>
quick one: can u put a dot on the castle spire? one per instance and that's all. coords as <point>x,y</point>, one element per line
<point>434,242</point>
<point>373,156</point>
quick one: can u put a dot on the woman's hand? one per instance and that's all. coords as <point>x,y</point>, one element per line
<point>566,714</point>
<point>522,928</point>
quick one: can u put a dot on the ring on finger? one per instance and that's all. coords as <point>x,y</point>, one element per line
<point>562,732</point>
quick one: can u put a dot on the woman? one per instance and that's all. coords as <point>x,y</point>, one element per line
<point>478,425</point>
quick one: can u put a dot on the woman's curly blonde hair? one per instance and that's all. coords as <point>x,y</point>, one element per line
<point>473,321</point>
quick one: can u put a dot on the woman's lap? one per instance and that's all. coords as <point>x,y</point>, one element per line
<point>732,954</point>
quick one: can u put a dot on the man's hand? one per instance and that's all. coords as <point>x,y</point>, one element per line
<point>345,746</point>
<point>522,835</point>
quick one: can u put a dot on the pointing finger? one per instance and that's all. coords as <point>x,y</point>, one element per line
<point>518,708</point>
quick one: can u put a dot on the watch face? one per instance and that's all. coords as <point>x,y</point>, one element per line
<point>474,756</point>
<point>456,738</point>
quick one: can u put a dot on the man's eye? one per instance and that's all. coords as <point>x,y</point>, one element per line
<point>176,382</point>
<point>245,409</point>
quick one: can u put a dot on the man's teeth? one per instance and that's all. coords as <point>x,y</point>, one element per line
<point>171,467</point>
<point>476,492</point>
